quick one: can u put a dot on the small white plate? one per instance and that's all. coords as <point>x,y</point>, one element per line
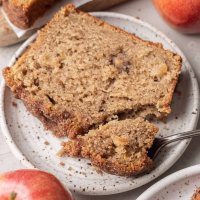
<point>35,147</point>
<point>179,185</point>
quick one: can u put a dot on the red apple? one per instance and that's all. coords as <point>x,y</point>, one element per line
<point>182,14</point>
<point>31,185</point>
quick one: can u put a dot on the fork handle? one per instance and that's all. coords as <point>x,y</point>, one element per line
<point>181,136</point>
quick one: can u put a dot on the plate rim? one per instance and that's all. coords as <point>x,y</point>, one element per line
<point>182,145</point>
<point>169,180</point>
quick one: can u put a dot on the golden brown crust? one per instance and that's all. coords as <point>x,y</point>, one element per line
<point>24,16</point>
<point>146,165</point>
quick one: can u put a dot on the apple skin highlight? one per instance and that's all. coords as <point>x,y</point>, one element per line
<point>184,15</point>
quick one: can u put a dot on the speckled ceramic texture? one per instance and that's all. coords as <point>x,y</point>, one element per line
<point>35,147</point>
<point>179,185</point>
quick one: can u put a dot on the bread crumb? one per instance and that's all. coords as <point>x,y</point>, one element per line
<point>62,164</point>
<point>14,104</point>
<point>70,168</point>
<point>46,142</point>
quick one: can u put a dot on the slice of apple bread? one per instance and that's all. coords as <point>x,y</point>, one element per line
<point>118,147</point>
<point>81,72</point>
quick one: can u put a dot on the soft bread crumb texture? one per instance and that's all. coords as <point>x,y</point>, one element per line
<point>82,72</point>
<point>118,147</point>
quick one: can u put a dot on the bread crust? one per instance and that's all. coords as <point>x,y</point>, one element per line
<point>25,16</point>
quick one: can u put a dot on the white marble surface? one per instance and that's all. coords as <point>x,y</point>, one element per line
<point>189,44</point>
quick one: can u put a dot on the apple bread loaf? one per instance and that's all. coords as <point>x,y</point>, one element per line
<point>23,13</point>
<point>118,147</point>
<point>81,72</point>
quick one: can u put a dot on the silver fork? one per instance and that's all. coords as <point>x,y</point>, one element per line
<point>160,143</point>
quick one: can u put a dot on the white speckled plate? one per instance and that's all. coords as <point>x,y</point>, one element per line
<point>179,185</point>
<point>35,147</point>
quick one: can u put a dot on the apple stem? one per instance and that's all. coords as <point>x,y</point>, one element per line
<point>13,196</point>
